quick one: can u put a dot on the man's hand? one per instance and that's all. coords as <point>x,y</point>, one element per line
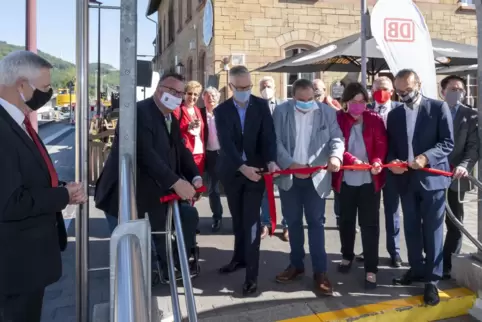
<point>184,189</point>
<point>397,170</point>
<point>376,168</point>
<point>273,167</point>
<point>251,173</point>
<point>198,183</point>
<point>460,172</point>
<point>77,195</point>
<point>419,162</point>
<point>334,164</point>
<point>357,162</point>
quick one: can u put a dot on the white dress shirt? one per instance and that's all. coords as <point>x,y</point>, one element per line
<point>383,109</point>
<point>198,143</point>
<point>411,119</point>
<point>15,113</point>
<point>213,142</point>
<point>304,127</point>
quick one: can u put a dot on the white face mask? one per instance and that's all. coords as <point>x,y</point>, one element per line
<point>170,101</point>
<point>267,93</point>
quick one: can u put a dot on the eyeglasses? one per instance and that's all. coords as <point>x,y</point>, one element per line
<point>173,91</point>
<point>242,89</point>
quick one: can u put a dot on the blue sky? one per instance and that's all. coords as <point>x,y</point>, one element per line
<point>56,29</point>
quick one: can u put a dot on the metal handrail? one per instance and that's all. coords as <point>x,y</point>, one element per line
<point>456,222</point>
<point>174,213</point>
<point>131,301</point>
<point>127,195</point>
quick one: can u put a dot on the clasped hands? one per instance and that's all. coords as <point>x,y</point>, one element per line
<point>76,192</point>
<point>185,190</point>
<point>419,162</point>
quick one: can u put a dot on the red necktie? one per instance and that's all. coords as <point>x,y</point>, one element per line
<point>53,174</point>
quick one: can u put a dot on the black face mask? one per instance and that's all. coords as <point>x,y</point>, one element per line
<point>39,99</point>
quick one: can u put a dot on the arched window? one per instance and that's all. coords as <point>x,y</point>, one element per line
<point>188,9</point>
<point>180,14</point>
<point>189,69</point>
<point>292,77</point>
<point>201,69</point>
<point>171,22</point>
<point>166,39</point>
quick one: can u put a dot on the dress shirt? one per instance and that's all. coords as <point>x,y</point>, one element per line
<point>15,113</point>
<point>213,142</point>
<point>304,128</point>
<point>272,105</point>
<point>198,143</point>
<point>454,110</point>
<point>383,110</point>
<point>242,117</point>
<point>411,119</point>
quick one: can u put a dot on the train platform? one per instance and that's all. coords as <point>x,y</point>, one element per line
<point>218,298</point>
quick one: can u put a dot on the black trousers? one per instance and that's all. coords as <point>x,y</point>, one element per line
<point>21,307</point>
<point>453,238</point>
<point>244,200</point>
<point>366,202</point>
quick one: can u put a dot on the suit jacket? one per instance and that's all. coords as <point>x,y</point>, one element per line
<point>466,148</point>
<point>326,141</point>
<point>162,159</point>
<point>257,139</point>
<point>32,230</point>
<point>433,137</point>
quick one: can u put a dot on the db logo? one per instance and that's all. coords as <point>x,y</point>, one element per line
<point>399,30</point>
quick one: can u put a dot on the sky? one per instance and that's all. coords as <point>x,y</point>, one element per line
<point>56,29</point>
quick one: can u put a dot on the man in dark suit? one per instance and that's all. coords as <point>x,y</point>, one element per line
<point>163,165</point>
<point>421,133</point>
<point>248,147</point>
<point>32,230</point>
<point>462,160</point>
<point>382,93</point>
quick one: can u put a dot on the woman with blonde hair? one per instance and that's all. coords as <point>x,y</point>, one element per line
<point>192,124</point>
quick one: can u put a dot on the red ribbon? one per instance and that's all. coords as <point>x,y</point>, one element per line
<point>268,180</point>
<point>173,196</point>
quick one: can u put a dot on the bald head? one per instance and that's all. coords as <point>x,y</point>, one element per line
<point>320,90</point>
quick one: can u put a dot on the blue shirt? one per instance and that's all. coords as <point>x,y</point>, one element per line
<point>242,117</point>
<point>454,110</point>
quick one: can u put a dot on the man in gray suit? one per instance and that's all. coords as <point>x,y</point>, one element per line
<point>462,160</point>
<point>307,135</point>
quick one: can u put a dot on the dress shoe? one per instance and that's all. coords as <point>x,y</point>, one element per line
<point>231,267</point>
<point>289,275</point>
<point>285,237</point>
<point>396,261</point>
<point>322,284</point>
<point>249,288</point>
<point>430,295</point>
<point>216,226</point>
<point>407,279</point>
<point>360,258</point>
<point>370,281</point>
<point>265,230</point>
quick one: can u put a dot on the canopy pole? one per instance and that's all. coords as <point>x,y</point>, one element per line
<point>363,36</point>
<point>478,11</point>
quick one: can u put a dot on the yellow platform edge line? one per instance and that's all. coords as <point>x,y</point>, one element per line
<point>453,302</point>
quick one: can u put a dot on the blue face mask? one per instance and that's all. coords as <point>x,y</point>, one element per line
<point>241,96</point>
<point>305,105</point>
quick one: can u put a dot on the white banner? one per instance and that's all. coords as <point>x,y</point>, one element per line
<point>404,39</point>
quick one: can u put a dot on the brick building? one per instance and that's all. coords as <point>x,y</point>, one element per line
<point>257,32</point>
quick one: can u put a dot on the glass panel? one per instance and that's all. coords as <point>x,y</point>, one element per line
<point>309,76</point>
<point>288,91</point>
<point>292,78</point>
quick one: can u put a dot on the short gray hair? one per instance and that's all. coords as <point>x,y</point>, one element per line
<point>213,91</point>
<point>267,79</point>
<point>238,70</point>
<point>21,64</point>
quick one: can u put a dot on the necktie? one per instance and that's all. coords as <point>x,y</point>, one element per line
<point>53,174</point>
<point>168,124</point>
<point>453,111</point>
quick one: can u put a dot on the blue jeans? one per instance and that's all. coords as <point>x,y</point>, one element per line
<point>303,197</point>
<point>213,185</point>
<point>265,218</point>
<point>391,204</point>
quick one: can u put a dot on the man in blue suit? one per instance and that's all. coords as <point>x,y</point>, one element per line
<point>421,133</point>
<point>382,92</point>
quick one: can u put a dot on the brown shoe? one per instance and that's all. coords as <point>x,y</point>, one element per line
<point>285,237</point>
<point>322,284</point>
<point>289,275</point>
<point>264,232</point>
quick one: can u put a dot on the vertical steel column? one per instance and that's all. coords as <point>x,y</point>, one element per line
<point>128,79</point>
<point>478,7</point>
<point>363,39</point>
<point>98,63</point>
<point>81,159</point>
<point>31,42</point>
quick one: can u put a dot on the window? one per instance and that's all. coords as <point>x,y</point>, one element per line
<point>171,22</point>
<point>180,15</point>
<point>201,68</point>
<point>466,1</point>
<point>292,77</point>
<point>189,69</point>
<point>188,9</point>
<point>159,41</point>
<point>165,35</point>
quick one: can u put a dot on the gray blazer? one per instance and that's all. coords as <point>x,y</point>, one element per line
<point>326,141</point>
<point>466,147</point>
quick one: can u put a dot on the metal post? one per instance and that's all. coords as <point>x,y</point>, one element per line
<point>128,78</point>
<point>363,39</point>
<point>81,159</point>
<point>478,11</point>
<point>98,63</point>
<point>31,41</point>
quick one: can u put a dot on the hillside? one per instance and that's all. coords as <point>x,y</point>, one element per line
<point>64,71</point>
